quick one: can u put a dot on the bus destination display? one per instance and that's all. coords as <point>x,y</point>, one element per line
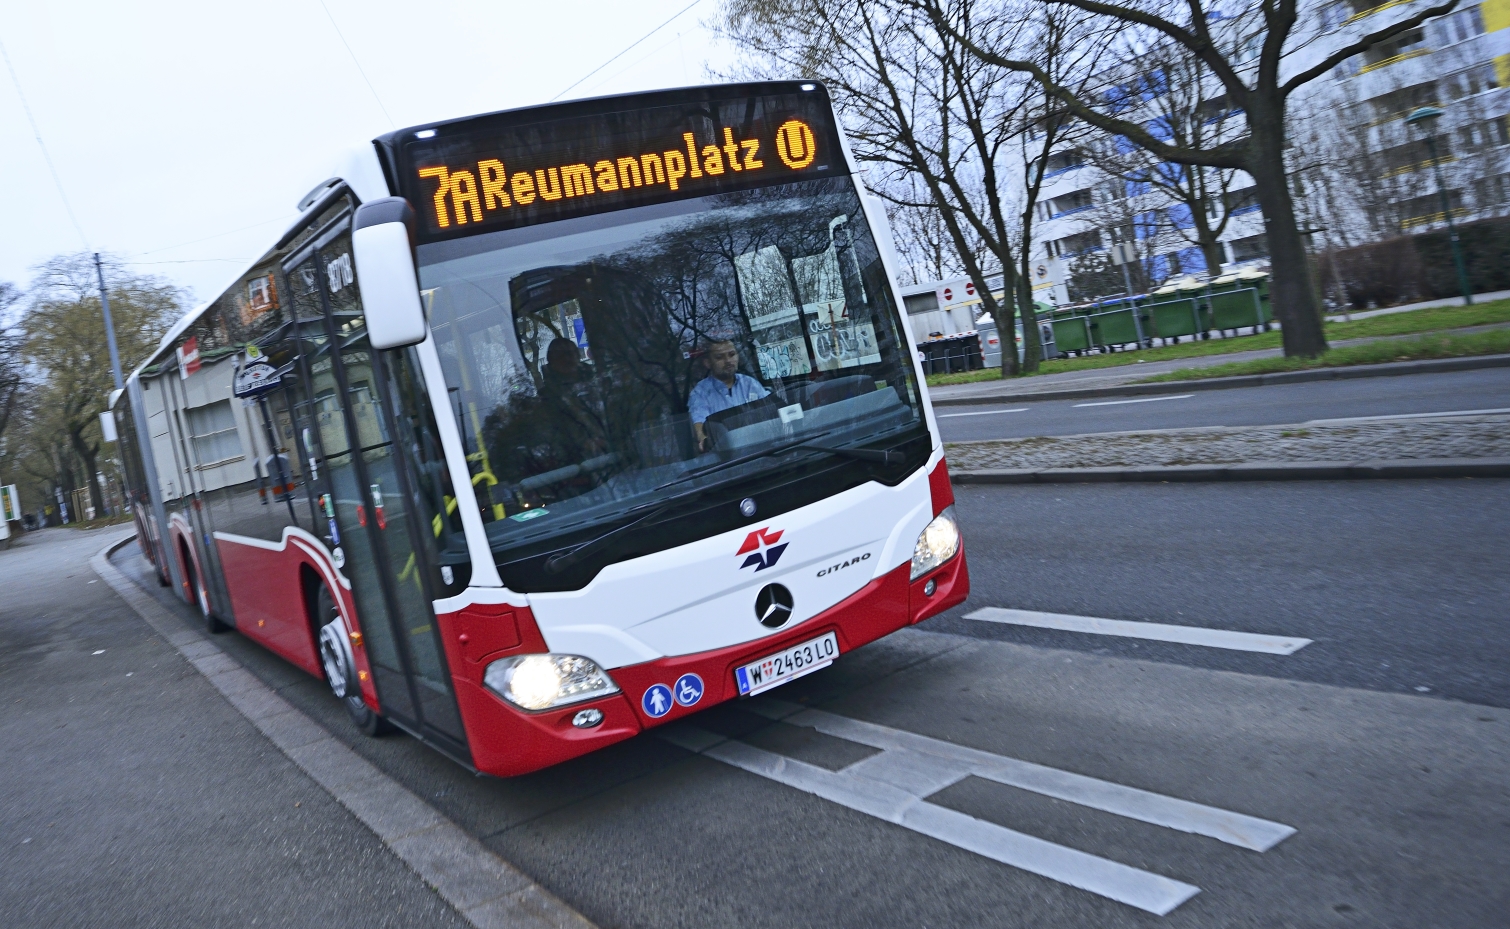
<point>499,177</point>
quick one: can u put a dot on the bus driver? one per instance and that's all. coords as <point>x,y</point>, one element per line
<point>723,388</point>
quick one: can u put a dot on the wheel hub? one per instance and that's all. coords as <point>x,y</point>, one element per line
<point>335,655</point>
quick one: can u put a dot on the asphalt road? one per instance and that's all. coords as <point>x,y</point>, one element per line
<point>958,745</point>
<point>1486,388</point>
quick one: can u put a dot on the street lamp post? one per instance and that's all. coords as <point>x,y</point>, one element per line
<point>1424,119</point>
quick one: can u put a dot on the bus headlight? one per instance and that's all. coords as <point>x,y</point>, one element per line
<point>938,543</point>
<point>540,682</point>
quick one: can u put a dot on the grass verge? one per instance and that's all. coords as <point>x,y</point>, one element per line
<point>1494,342</point>
<point>1428,320</point>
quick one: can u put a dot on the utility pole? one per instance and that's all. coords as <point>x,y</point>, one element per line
<point>1125,254</point>
<point>1425,119</point>
<point>115,355</point>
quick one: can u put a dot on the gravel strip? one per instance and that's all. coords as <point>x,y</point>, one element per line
<point>1479,437</point>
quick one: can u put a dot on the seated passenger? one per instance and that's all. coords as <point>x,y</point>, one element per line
<point>574,418</point>
<point>724,388</point>
<point>563,366</point>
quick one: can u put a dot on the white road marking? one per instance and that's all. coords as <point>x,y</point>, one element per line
<point>1375,419</point>
<point>892,785</point>
<point>1138,400</point>
<point>1248,832</point>
<point>1143,889</point>
<point>1160,632</point>
<point>982,413</point>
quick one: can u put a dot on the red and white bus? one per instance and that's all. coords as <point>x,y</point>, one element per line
<point>542,428</point>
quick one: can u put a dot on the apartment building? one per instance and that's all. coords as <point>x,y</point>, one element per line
<point>1459,63</point>
<point>1380,174</point>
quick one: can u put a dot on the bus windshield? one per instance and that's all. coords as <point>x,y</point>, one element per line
<point>593,361</point>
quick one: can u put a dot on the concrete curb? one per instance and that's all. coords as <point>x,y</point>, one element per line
<point>1390,369</point>
<point>1248,471</point>
<point>487,891</point>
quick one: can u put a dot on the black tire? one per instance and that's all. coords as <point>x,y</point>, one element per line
<point>200,597</point>
<point>362,715</point>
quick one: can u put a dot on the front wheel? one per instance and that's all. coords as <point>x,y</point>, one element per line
<point>340,666</point>
<point>200,598</point>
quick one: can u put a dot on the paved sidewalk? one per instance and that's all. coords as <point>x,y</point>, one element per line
<point>1455,438</point>
<point>131,792</point>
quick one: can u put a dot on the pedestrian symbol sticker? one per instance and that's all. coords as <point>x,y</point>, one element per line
<point>688,689</point>
<point>657,701</point>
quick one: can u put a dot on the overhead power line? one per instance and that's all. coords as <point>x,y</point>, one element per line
<point>354,61</point>
<point>46,156</point>
<point>627,50</point>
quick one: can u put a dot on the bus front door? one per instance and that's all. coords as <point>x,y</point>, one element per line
<point>348,432</point>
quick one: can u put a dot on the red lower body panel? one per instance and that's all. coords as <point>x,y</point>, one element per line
<point>506,741</point>
<point>267,595</point>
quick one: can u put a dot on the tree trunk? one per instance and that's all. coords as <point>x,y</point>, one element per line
<point>90,457</point>
<point>1290,288</point>
<point>1032,350</point>
<point>1211,247</point>
<point>1004,314</point>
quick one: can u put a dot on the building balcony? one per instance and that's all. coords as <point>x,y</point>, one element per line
<point>1431,219</point>
<point>1394,59</point>
<point>1365,8</point>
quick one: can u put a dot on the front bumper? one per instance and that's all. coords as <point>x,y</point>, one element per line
<point>506,741</point>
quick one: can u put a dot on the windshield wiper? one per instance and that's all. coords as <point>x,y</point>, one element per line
<point>885,456</point>
<point>732,462</point>
<point>561,561</point>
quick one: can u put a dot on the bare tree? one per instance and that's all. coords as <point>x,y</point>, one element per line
<point>1183,105</point>
<point>65,341</point>
<point>924,245</point>
<point>12,365</point>
<point>1246,55</point>
<point>1047,130</point>
<point>934,120</point>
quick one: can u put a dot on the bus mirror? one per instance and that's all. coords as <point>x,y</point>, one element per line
<point>385,268</point>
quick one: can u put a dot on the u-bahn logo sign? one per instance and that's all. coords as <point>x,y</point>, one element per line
<point>762,549</point>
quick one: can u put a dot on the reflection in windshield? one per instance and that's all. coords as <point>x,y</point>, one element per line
<point>591,361</point>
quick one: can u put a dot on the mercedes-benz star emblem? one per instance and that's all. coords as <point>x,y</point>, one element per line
<point>773,606</point>
<point>747,507</point>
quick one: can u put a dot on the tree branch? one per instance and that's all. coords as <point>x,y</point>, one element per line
<point>1363,45</point>
<point>1199,45</point>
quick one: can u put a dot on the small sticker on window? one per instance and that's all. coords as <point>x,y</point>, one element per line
<point>791,413</point>
<point>528,515</point>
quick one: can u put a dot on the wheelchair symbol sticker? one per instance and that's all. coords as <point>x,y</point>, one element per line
<point>688,689</point>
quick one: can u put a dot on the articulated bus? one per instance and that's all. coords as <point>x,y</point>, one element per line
<point>542,428</point>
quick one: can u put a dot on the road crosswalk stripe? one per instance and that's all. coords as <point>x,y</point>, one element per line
<point>1160,632</point>
<point>1145,890</point>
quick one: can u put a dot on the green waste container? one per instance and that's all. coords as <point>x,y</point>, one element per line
<point>1117,327</point>
<point>1172,318</point>
<point>1234,309</point>
<point>1071,334</point>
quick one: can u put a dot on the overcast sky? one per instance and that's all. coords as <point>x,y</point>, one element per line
<point>184,133</point>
